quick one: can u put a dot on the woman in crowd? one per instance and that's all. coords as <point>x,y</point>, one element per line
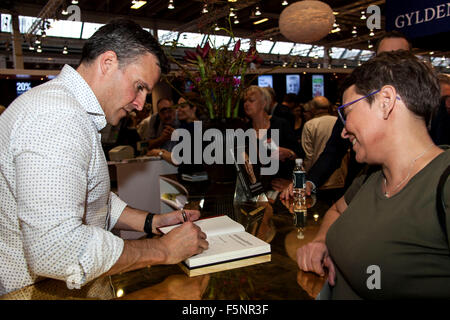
<point>383,238</point>
<point>256,106</point>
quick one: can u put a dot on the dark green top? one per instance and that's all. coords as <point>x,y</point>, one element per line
<point>401,235</point>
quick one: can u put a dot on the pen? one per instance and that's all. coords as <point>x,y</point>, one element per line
<point>183,213</point>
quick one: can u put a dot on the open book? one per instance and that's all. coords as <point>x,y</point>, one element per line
<point>230,246</point>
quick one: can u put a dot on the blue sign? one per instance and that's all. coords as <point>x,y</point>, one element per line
<point>418,18</point>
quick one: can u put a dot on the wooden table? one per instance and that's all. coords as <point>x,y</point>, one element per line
<point>279,279</point>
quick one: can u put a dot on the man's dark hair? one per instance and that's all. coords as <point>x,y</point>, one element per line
<point>415,81</point>
<point>127,39</point>
<point>393,34</point>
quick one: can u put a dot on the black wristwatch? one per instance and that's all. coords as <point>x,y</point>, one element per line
<point>148,225</point>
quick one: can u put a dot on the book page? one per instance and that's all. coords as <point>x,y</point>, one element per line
<point>225,247</point>
<point>213,226</point>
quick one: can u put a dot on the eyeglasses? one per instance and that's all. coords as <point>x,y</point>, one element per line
<point>341,112</point>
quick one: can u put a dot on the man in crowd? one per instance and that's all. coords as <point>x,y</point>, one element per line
<point>280,110</point>
<point>315,135</point>
<point>440,122</point>
<point>56,208</point>
<point>159,127</point>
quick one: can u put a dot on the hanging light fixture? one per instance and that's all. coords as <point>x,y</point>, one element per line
<point>65,50</point>
<point>371,33</point>
<point>74,2</point>
<point>363,16</point>
<point>261,21</point>
<point>354,30</point>
<point>137,4</point>
<point>205,8</point>
<point>170,6</point>
<point>284,3</point>
<point>236,20</point>
<point>39,49</point>
<point>257,12</point>
<point>232,13</point>
<point>64,12</point>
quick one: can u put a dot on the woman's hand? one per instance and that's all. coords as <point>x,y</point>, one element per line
<point>285,154</point>
<point>314,257</point>
<point>287,192</point>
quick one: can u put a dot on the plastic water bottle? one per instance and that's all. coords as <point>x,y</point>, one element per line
<point>299,202</point>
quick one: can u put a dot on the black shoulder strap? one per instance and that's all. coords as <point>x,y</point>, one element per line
<point>440,205</point>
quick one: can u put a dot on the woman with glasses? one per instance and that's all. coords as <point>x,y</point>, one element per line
<point>383,239</point>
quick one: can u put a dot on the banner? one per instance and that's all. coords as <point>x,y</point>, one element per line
<point>418,18</point>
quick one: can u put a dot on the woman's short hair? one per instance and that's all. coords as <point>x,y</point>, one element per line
<point>415,81</point>
<point>127,39</point>
<point>264,94</point>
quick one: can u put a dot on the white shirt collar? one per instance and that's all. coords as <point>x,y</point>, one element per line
<point>84,94</point>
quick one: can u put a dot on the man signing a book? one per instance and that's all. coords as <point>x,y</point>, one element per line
<point>56,208</point>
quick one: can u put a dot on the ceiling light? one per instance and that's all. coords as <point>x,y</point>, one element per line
<point>336,30</point>
<point>216,28</point>
<point>39,49</point>
<point>335,13</point>
<point>74,2</point>
<point>354,30</point>
<point>431,53</point>
<point>232,0</point>
<point>363,16</point>
<point>236,21</point>
<point>65,50</point>
<point>137,4</point>
<point>261,21</point>
<point>284,3</point>
<point>345,66</point>
<point>37,41</point>
<point>231,12</point>
<point>64,12</point>
<point>31,48</point>
<point>371,33</point>
<point>257,12</point>
<point>205,8</point>
<point>170,6</point>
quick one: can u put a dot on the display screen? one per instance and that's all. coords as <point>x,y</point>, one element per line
<point>265,81</point>
<point>22,86</point>
<point>293,83</point>
<point>317,85</point>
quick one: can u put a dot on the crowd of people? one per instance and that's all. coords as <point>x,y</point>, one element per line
<point>376,159</point>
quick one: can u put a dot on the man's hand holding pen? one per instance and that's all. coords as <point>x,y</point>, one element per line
<point>185,240</point>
